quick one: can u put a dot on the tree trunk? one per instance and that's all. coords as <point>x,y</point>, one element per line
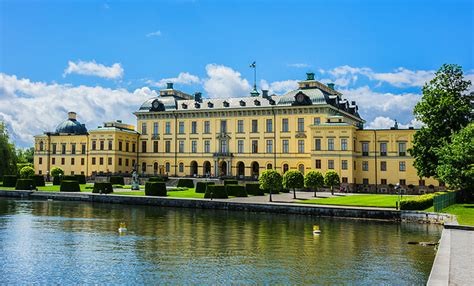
<point>294,193</point>
<point>332,190</point>
<point>315,190</point>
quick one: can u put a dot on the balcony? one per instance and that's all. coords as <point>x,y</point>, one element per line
<point>223,154</point>
<point>155,136</point>
<point>383,154</point>
<point>365,153</point>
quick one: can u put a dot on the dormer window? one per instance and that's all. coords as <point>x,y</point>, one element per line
<point>257,102</point>
<point>271,101</point>
<point>197,105</point>
<point>185,106</point>
<point>226,104</point>
<point>242,103</point>
<point>210,104</point>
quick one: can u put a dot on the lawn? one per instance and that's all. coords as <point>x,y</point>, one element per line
<point>50,188</point>
<point>189,193</point>
<point>463,212</point>
<point>383,201</point>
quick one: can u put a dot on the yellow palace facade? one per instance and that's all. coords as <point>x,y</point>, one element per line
<point>178,134</point>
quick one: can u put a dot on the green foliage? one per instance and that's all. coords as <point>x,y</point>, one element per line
<point>179,189</point>
<point>81,179</point>
<point>69,178</point>
<point>39,180</point>
<point>230,182</point>
<point>117,186</point>
<point>20,166</point>
<point>331,179</point>
<point>117,180</point>
<point>445,108</point>
<point>103,188</point>
<point>25,155</point>
<point>69,186</point>
<point>9,181</point>
<point>7,153</point>
<point>188,183</point>
<point>270,180</point>
<point>254,189</point>
<point>216,192</point>
<point>155,189</point>
<point>293,179</point>
<point>202,186</point>
<point>25,184</point>
<point>156,179</point>
<point>236,190</point>
<point>56,181</point>
<point>27,172</point>
<point>417,203</point>
<point>57,171</point>
<point>314,180</point>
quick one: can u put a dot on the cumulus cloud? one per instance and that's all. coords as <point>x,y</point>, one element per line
<point>382,122</point>
<point>299,65</point>
<point>154,34</point>
<point>183,78</point>
<point>92,68</point>
<point>279,87</point>
<point>29,108</point>
<point>225,82</point>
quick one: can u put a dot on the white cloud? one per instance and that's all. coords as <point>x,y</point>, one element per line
<point>154,34</point>
<point>382,122</point>
<point>29,108</point>
<point>94,69</point>
<point>299,65</point>
<point>279,87</point>
<point>224,82</point>
<point>183,78</point>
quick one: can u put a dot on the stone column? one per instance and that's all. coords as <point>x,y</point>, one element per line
<point>229,168</point>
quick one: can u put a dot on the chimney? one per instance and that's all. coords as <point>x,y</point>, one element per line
<point>331,85</point>
<point>71,115</point>
<point>198,96</point>
<point>310,76</point>
<point>265,93</point>
<point>169,85</point>
<point>353,103</point>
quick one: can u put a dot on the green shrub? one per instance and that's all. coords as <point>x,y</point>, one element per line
<point>285,190</point>
<point>230,182</point>
<point>236,190</point>
<point>81,179</point>
<point>56,172</point>
<point>88,187</point>
<point>117,186</point>
<point>216,192</point>
<point>9,181</point>
<point>69,186</point>
<point>117,180</point>
<point>188,183</point>
<point>69,178</point>
<point>39,180</point>
<point>155,189</point>
<point>201,186</point>
<point>156,179</point>
<point>180,189</point>
<point>25,184</point>
<point>254,189</point>
<point>56,180</point>
<point>417,203</point>
<point>27,172</point>
<point>102,188</point>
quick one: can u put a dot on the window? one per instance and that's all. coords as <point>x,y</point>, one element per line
<point>254,146</point>
<point>285,146</point>
<point>143,167</point>
<point>110,161</point>
<point>93,160</point>
<point>110,144</point>
<point>421,183</point>
<point>285,168</point>
<point>133,163</point>
<point>402,149</point>
<point>41,146</point>
<point>207,127</point>
<point>155,146</point>
<point>301,168</point>
<point>344,144</point>
<point>365,165</point>
<point>403,182</point>
<point>83,147</point>
<point>127,147</point>
<point>269,146</point>
<point>355,166</point>
<point>53,161</point>
<point>143,146</point>
<point>300,146</point>
<point>120,146</point>
<point>223,126</point>
<point>240,126</point>
<point>73,148</point>
<point>144,128</point>
<point>344,180</point>
<point>63,148</point>
<point>133,147</point>
<point>181,167</point>
<point>101,161</point>
<point>54,148</point>
<point>181,146</point>
<point>101,144</point>
<point>83,161</point>
<point>330,164</point>
<point>181,127</point>
<point>318,164</point>
<point>72,161</point>
<point>300,124</point>
<point>240,146</point>
<point>269,166</point>
<point>365,181</point>
<point>167,146</point>
<point>269,125</point>
<point>383,149</point>
<point>317,120</point>
<point>254,125</point>
<point>207,146</point>
<point>344,164</point>
<point>168,128</point>
<point>194,127</point>
<point>155,128</point>
<point>383,181</point>
<point>365,148</point>
<point>194,146</point>
<point>330,144</point>
<point>383,166</point>
<point>40,160</point>
<point>284,125</point>
<point>126,162</point>
<point>167,167</point>
<point>402,166</point>
<point>317,144</point>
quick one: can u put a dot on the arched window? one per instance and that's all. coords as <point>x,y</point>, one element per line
<point>181,167</point>
<point>301,168</point>
<point>41,146</point>
<point>143,167</point>
<point>155,168</point>
<point>167,167</point>
<point>269,166</point>
<point>285,168</point>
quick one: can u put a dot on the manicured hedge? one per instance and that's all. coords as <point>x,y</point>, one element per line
<point>253,189</point>
<point>9,181</point>
<point>188,183</point>
<point>156,179</point>
<point>117,186</point>
<point>81,179</point>
<point>69,178</point>
<point>155,189</point>
<point>230,182</point>
<point>69,186</point>
<point>117,180</point>
<point>417,203</point>
<point>216,192</point>
<point>283,190</point>
<point>102,188</point>
<point>39,180</point>
<point>201,186</point>
<point>56,181</point>
<point>25,184</point>
<point>236,190</point>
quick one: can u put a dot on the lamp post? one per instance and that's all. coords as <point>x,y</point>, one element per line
<point>397,189</point>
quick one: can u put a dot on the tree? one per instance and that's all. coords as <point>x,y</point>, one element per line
<point>57,171</point>
<point>25,155</point>
<point>27,172</point>
<point>456,161</point>
<point>7,153</point>
<point>445,108</point>
<point>270,180</point>
<point>314,180</point>
<point>331,179</point>
<point>293,179</point>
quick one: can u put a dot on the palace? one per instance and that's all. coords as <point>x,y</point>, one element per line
<point>180,134</point>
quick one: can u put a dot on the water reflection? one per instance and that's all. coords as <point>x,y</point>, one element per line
<point>70,242</point>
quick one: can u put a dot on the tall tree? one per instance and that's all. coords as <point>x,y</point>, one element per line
<point>331,179</point>
<point>8,157</point>
<point>293,179</point>
<point>314,180</point>
<point>445,108</point>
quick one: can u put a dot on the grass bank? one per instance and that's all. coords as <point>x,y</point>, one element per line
<point>382,201</point>
<point>189,193</point>
<point>463,212</point>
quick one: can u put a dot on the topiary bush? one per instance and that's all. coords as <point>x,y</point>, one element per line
<point>230,182</point>
<point>56,180</point>
<point>417,203</point>
<point>236,190</point>
<point>284,190</point>
<point>156,179</point>
<point>9,181</point>
<point>39,180</point>
<point>188,183</point>
<point>81,179</point>
<point>57,171</point>
<point>69,178</point>
<point>69,186</point>
<point>270,180</point>
<point>202,186</point>
<point>155,189</point>
<point>25,184</point>
<point>254,189</point>
<point>27,172</point>
<point>216,192</point>
<point>117,180</point>
<point>102,188</point>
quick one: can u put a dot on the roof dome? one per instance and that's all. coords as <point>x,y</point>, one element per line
<point>71,126</point>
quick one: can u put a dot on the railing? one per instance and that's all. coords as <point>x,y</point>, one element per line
<point>443,201</point>
<point>223,154</point>
<point>155,136</point>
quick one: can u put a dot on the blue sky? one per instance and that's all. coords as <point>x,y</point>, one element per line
<point>103,58</point>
